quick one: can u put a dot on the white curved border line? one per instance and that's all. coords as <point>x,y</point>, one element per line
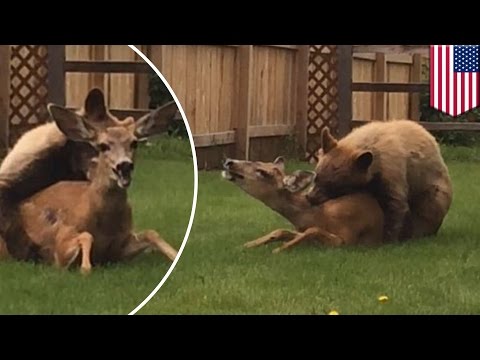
<point>195,186</point>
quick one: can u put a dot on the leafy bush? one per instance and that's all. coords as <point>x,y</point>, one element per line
<point>160,95</point>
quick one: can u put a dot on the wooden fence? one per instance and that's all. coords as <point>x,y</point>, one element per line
<point>33,75</point>
<point>414,87</point>
<point>381,67</point>
<point>243,101</point>
<point>240,101</point>
<point>208,82</point>
<point>122,90</point>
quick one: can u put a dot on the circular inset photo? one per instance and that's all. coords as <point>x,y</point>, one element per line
<point>98,178</point>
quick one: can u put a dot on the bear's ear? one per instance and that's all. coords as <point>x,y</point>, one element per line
<point>328,141</point>
<point>299,180</point>
<point>364,160</point>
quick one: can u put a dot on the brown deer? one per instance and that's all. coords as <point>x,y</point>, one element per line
<point>91,217</point>
<point>348,220</point>
<point>44,155</point>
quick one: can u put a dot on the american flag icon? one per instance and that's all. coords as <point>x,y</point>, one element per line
<point>454,78</point>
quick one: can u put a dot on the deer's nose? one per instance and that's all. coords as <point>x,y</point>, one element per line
<point>227,163</point>
<point>125,167</point>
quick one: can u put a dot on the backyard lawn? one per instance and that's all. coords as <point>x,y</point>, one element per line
<point>215,275</point>
<point>161,195</point>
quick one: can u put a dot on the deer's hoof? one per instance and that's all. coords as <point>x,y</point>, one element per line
<point>86,270</point>
<point>277,250</point>
<point>249,244</point>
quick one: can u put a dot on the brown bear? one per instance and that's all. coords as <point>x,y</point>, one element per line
<point>400,162</point>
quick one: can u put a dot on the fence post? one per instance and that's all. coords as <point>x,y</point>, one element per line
<point>416,77</point>
<point>4,95</point>
<point>141,95</point>
<point>344,54</point>
<point>303,57</point>
<point>56,74</point>
<point>242,136</point>
<point>100,53</point>
<point>380,98</point>
<point>157,56</point>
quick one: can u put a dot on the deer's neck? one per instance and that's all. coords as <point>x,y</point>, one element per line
<point>290,206</point>
<point>104,189</point>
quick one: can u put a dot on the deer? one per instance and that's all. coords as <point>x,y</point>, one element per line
<point>354,219</point>
<point>44,156</point>
<point>90,222</point>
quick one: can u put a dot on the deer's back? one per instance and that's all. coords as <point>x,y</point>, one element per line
<point>357,218</point>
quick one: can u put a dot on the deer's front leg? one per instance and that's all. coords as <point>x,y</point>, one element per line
<point>312,233</point>
<point>133,247</point>
<point>138,243</point>
<point>276,235</point>
<point>68,249</point>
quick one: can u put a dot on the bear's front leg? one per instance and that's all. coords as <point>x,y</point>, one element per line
<point>4,254</point>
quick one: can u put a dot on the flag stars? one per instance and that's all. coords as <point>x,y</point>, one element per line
<point>466,58</point>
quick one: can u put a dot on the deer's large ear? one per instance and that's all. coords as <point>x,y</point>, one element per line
<point>280,162</point>
<point>299,180</point>
<point>71,124</point>
<point>157,121</point>
<point>328,141</point>
<point>95,107</point>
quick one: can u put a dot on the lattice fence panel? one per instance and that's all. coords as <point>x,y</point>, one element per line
<point>28,88</point>
<point>322,95</point>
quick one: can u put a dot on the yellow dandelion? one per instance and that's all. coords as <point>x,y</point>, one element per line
<point>383,299</point>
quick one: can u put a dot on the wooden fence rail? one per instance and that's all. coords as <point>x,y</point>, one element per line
<point>59,66</point>
<point>413,87</point>
<point>245,101</point>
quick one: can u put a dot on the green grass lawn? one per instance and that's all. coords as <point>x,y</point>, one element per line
<point>215,275</point>
<point>161,196</point>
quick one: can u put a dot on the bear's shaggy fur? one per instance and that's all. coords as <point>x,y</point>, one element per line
<point>400,162</point>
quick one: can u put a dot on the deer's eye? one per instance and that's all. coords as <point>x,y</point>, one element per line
<point>134,144</point>
<point>103,147</point>
<point>263,173</point>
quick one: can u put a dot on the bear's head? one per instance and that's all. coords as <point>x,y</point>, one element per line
<point>341,169</point>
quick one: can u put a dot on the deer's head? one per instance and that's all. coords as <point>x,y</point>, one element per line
<point>116,142</point>
<point>265,179</point>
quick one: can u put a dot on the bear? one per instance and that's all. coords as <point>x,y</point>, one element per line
<point>400,163</point>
